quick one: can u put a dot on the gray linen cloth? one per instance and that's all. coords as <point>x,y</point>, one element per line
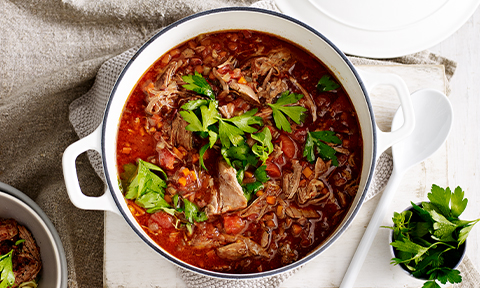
<point>57,62</point>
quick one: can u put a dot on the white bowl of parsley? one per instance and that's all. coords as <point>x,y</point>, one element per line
<point>428,240</point>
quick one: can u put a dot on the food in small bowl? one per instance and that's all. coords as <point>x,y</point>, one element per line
<point>429,240</point>
<point>20,259</point>
<point>31,251</point>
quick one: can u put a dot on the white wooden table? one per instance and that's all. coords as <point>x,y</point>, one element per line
<point>456,163</point>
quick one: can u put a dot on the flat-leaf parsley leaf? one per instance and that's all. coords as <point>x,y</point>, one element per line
<point>198,84</point>
<point>315,142</point>
<point>326,84</point>
<point>280,110</point>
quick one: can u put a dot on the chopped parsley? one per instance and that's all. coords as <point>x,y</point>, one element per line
<point>429,234</point>
<point>315,143</point>
<point>281,111</point>
<point>7,277</point>
<point>326,84</point>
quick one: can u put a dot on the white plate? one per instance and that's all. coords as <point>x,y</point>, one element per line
<point>382,28</point>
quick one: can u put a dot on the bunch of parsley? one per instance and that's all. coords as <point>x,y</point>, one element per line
<point>428,238</point>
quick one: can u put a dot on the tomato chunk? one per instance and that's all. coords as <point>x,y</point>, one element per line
<point>233,224</point>
<point>273,170</point>
<point>166,159</point>
<point>288,147</point>
<point>162,219</point>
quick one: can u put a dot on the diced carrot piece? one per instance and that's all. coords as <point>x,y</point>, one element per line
<point>302,183</point>
<point>307,172</point>
<point>271,200</point>
<point>248,174</point>
<point>177,152</point>
<point>195,158</point>
<point>182,150</point>
<point>194,176</point>
<point>242,80</point>
<point>185,171</point>
<point>166,59</point>
<point>182,181</point>
<point>297,229</point>
<point>149,86</point>
<point>126,150</point>
<point>259,193</point>
<point>280,212</point>
<point>270,224</point>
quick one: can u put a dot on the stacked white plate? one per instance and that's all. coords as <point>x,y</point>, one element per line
<point>382,28</point>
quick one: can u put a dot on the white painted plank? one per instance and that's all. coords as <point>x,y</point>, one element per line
<point>464,141</point>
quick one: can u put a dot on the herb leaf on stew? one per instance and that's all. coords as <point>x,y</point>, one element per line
<point>315,143</point>
<point>280,110</point>
<point>198,84</point>
<point>266,147</point>
<point>147,188</point>
<point>326,84</point>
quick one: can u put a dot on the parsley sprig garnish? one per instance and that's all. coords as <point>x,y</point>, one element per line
<point>316,143</point>
<point>431,233</point>
<point>198,84</point>
<point>146,187</point>
<point>281,110</point>
<point>326,84</point>
<point>7,277</point>
<point>265,146</point>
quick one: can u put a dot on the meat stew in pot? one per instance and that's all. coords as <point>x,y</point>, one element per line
<point>239,152</point>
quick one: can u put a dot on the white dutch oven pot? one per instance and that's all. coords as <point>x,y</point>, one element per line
<point>356,83</point>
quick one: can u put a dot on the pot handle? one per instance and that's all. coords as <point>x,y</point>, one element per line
<point>387,139</point>
<point>90,142</point>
